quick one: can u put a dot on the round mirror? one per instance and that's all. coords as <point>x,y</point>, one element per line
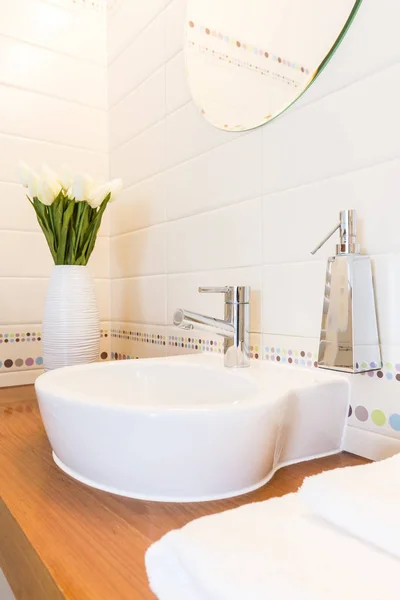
<point>249,60</point>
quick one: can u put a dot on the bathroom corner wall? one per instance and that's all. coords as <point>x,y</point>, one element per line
<point>53,108</point>
<point>203,206</point>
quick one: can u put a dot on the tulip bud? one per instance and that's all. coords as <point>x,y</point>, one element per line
<point>50,183</point>
<point>65,178</point>
<point>100,193</point>
<point>45,192</point>
<point>82,188</point>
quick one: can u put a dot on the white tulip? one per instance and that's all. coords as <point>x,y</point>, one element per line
<point>33,184</point>
<point>100,193</point>
<point>50,178</point>
<point>82,188</point>
<point>45,192</point>
<point>115,186</point>
<point>24,172</point>
<point>65,178</point>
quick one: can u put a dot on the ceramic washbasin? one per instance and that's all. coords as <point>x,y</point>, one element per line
<point>186,428</point>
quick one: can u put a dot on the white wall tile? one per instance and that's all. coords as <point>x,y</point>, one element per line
<point>234,173</point>
<point>50,25</point>
<point>292,298</point>
<point>41,70</point>
<point>297,219</point>
<point>138,110</point>
<point>175,15</point>
<point>138,61</point>
<point>127,21</point>
<point>139,253</point>
<point>183,292</point>
<point>14,307</point>
<point>40,117</point>
<point>36,152</point>
<point>17,214</point>
<point>99,262</point>
<point>386,269</point>
<point>334,135</point>
<point>139,206</point>
<point>189,134</point>
<point>140,300</point>
<point>177,88</point>
<point>230,237</point>
<point>141,157</point>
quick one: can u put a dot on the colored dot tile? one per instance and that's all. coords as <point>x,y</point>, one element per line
<point>394,421</point>
<point>361,413</point>
<point>378,418</point>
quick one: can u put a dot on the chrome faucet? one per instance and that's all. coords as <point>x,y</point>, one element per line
<point>235,328</point>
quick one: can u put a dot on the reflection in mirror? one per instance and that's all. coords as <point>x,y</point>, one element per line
<point>249,60</point>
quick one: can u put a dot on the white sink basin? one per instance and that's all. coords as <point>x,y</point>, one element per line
<point>186,428</point>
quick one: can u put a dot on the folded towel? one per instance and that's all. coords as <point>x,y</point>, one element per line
<point>363,500</point>
<point>268,551</point>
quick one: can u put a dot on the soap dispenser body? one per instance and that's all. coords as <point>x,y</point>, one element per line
<point>349,338</point>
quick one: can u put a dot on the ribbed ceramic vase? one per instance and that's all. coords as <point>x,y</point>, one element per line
<point>71,327</point>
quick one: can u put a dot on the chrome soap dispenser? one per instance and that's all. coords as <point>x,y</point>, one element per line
<point>349,339</point>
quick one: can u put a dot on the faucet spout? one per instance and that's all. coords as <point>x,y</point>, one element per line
<point>235,328</point>
<point>185,319</point>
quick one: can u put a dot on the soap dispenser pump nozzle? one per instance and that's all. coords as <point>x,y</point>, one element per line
<point>348,234</point>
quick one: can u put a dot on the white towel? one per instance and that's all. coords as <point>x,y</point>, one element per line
<point>363,500</point>
<point>268,551</point>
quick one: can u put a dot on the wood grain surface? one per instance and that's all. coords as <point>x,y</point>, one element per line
<point>62,540</point>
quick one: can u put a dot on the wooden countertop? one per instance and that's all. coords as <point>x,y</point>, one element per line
<point>62,540</point>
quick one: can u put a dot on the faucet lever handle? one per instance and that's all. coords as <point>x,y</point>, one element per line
<point>326,238</point>
<point>215,290</point>
<point>234,294</point>
<point>348,233</point>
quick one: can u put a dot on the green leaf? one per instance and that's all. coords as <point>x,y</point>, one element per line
<point>43,221</point>
<point>71,247</point>
<point>96,227</point>
<point>82,226</point>
<point>56,212</point>
<point>68,212</point>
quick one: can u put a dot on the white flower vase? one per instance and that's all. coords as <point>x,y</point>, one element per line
<point>71,327</point>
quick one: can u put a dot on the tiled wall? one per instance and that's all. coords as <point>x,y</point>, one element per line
<point>53,108</point>
<point>203,206</point>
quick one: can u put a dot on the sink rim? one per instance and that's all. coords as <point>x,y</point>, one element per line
<point>255,375</point>
<point>49,384</point>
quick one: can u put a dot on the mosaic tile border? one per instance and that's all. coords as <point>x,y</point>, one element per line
<point>139,336</point>
<point>12,337</point>
<point>25,359</point>
<point>389,371</point>
<point>375,416</point>
<point>205,345</point>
